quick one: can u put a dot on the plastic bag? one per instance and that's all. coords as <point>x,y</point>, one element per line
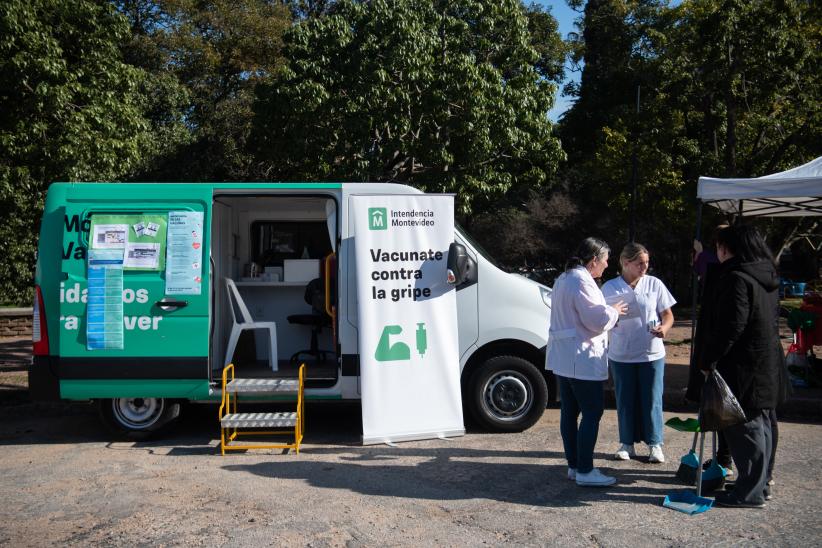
<point>719,408</point>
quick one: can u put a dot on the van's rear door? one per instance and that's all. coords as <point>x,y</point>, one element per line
<point>139,328</point>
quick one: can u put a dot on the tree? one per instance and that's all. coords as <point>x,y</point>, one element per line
<point>440,95</point>
<point>76,113</point>
<point>745,77</point>
<point>215,52</point>
<point>604,135</point>
<point>727,88</point>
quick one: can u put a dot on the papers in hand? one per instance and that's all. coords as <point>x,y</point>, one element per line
<point>629,299</point>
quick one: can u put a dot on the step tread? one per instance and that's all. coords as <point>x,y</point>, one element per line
<point>263,386</point>
<point>259,420</point>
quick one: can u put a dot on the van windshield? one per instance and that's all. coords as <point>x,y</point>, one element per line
<point>476,245</point>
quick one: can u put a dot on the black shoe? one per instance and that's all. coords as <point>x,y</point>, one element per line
<point>728,500</point>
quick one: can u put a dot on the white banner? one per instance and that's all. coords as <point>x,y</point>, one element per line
<point>408,341</point>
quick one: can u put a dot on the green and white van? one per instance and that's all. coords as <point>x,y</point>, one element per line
<point>164,313</point>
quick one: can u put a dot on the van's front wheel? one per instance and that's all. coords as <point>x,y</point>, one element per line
<point>137,418</point>
<point>507,394</point>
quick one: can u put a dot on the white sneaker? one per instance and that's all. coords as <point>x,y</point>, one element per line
<point>625,452</point>
<point>656,455</point>
<point>572,474</point>
<point>595,478</point>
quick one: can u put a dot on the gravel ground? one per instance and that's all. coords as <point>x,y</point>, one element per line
<point>65,483</point>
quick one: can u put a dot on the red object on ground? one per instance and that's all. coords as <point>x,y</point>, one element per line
<point>808,338</point>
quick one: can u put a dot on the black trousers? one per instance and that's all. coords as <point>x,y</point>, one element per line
<point>750,445</point>
<point>723,452</point>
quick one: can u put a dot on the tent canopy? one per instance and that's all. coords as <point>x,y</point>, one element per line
<point>793,193</point>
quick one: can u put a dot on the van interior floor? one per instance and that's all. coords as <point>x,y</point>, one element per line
<point>317,374</point>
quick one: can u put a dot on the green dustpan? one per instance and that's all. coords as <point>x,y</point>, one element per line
<point>683,425</point>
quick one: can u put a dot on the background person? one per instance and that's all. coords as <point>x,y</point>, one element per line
<point>742,344</point>
<point>706,267</point>
<point>576,354</point>
<point>636,353</point>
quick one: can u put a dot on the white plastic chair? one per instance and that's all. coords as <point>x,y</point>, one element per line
<point>237,305</point>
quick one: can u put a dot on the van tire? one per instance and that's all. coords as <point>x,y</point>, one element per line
<point>137,418</point>
<point>506,394</point>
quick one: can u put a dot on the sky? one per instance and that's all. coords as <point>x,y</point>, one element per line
<point>565,16</point>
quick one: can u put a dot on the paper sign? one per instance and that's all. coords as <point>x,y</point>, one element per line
<point>136,233</point>
<point>185,253</point>
<point>105,299</point>
<point>142,256</point>
<point>109,236</point>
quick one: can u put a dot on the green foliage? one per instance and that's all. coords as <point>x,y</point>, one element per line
<point>211,55</point>
<point>525,236</point>
<point>745,79</point>
<point>76,114</point>
<point>728,88</point>
<point>440,95</point>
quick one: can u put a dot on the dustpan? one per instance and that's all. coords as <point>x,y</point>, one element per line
<point>687,502</point>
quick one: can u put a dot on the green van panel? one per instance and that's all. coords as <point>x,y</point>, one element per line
<point>191,389</point>
<point>148,330</point>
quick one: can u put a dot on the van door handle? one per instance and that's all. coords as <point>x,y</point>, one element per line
<point>167,304</point>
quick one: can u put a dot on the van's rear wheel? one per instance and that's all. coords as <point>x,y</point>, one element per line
<point>137,418</point>
<point>507,394</point>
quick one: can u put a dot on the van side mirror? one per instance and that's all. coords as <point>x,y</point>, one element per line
<point>459,264</point>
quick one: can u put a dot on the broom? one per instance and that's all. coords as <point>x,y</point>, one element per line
<point>713,478</point>
<point>688,465</point>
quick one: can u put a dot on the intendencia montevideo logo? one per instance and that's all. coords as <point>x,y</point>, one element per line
<point>377,218</point>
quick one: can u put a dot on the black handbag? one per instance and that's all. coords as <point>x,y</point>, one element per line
<point>719,408</point>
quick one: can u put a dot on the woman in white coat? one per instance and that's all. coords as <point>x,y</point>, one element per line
<point>577,343</point>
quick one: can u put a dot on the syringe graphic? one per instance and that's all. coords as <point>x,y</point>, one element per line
<point>422,339</point>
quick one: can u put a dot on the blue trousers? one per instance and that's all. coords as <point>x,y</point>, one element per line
<point>639,400</point>
<point>579,439</point>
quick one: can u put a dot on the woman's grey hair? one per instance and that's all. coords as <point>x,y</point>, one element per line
<point>589,249</point>
<point>631,252</point>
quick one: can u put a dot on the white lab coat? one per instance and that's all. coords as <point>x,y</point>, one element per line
<point>580,319</point>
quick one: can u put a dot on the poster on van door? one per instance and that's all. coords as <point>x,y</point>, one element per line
<point>408,341</point>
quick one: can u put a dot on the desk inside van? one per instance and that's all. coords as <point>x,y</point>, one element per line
<point>274,302</point>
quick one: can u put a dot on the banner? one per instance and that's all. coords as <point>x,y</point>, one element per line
<point>408,341</point>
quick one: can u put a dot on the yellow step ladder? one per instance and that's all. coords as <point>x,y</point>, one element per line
<point>234,424</point>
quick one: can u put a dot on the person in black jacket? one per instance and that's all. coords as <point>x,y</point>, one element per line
<point>743,345</point>
<point>707,276</point>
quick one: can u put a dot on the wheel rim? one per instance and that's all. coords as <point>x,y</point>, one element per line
<point>507,395</point>
<point>138,413</point>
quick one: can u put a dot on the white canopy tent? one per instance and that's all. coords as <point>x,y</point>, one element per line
<point>796,192</point>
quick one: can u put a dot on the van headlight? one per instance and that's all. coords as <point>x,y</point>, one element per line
<point>545,292</point>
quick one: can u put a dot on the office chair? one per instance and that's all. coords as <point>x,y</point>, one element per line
<point>314,296</point>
